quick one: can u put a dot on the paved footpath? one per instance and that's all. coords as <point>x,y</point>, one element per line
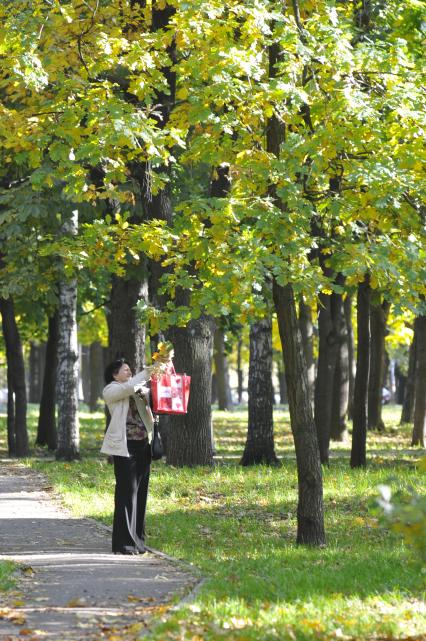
<point>72,587</point>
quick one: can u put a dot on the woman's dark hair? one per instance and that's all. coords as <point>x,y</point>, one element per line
<point>113,368</point>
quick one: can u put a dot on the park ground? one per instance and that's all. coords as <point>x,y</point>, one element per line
<point>237,527</point>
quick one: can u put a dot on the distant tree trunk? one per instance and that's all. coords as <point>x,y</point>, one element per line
<point>359,432</point>
<point>310,512</point>
<point>327,358</point>
<point>418,437</point>
<point>282,385</point>
<point>36,371</point>
<point>11,436</point>
<point>407,414</point>
<point>339,406</point>
<point>67,386</point>
<point>378,319</point>
<point>259,446</point>
<point>17,394</point>
<point>239,372</point>
<point>126,336</point>
<point>347,305</point>
<point>96,361</point>
<point>222,371</point>
<point>189,437</point>
<point>307,331</point>
<point>85,372</point>
<point>214,388</point>
<point>400,381</point>
<point>46,430</point>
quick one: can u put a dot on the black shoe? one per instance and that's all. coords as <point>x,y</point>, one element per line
<point>127,550</point>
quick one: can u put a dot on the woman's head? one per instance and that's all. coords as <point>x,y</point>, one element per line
<point>119,370</point>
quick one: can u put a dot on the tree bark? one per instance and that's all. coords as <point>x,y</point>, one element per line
<point>359,431</point>
<point>46,430</point>
<point>407,413</point>
<point>310,514</point>
<point>307,332</point>
<point>189,437</point>
<point>419,428</point>
<point>347,305</point>
<point>259,447</point>
<point>17,394</point>
<point>378,319</point>
<point>327,358</point>
<point>339,406</point>
<point>224,397</point>
<point>67,385</point>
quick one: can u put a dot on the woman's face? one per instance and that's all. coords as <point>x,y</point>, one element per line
<point>123,374</point>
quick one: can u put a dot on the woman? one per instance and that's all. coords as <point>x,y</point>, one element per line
<point>126,439</point>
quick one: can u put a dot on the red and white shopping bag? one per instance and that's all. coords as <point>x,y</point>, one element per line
<point>170,393</point>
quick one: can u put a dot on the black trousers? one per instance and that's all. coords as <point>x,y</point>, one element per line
<point>131,492</point>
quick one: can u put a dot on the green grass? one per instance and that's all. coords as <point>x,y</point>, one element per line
<point>237,526</point>
<point>7,571</point>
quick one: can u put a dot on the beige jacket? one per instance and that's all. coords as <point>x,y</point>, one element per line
<point>116,396</point>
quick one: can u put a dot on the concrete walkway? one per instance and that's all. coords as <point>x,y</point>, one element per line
<point>72,587</point>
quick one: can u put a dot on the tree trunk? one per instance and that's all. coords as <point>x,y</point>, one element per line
<point>239,372</point>
<point>222,371</point>
<point>378,318</point>
<point>310,510</point>
<point>407,414</point>
<point>339,407</point>
<point>420,387</point>
<point>17,394</point>
<point>359,431</point>
<point>189,437</point>
<point>126,336</point>
<point>347,305</point>
<point>36,371</point>
<point>96,363</point>
<point>307,331</point>
<point>327,358</point>
<point>259,446</point>
<point>46,430</point>
<point>310,513</point>
<point>67,386</point>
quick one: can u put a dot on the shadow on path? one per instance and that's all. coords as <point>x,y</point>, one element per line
<point>72,586</point>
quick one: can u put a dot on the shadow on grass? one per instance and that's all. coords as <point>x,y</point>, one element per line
<point>257,563</point>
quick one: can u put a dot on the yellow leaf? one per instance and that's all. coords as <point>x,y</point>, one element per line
<point>182,94</point>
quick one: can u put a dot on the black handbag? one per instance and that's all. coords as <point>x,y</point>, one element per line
<point>157,449</point>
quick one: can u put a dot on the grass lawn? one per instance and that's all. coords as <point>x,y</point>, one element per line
<point>7,571</point>
<point>237,527</point>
